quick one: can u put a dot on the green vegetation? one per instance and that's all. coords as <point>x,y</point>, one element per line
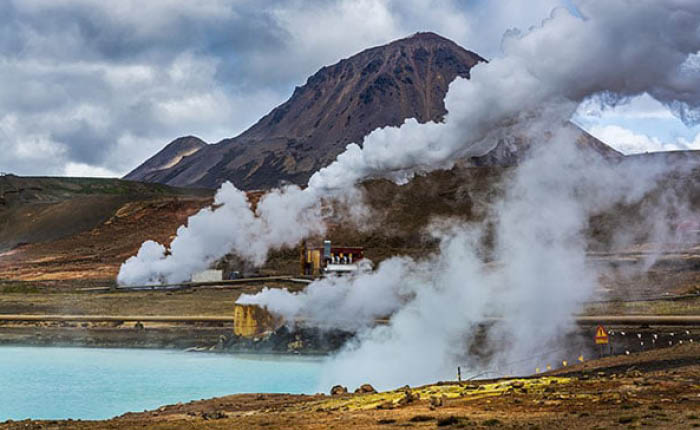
<point>17,288</point>
<point>108,186</point>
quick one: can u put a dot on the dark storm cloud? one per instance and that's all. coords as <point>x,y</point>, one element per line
<point>88,86</point>
<point>81,31</point>
<point>85,143</point>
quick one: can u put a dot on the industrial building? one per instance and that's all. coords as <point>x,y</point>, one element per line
<point>317,261</point>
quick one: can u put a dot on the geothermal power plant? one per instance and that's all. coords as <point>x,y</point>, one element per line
<point>340,215</point>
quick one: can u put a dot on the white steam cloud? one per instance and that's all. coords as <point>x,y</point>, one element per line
<point>618,50</point>
<point>538,275</point>
<point>527,290</point>
<point>283,217</point>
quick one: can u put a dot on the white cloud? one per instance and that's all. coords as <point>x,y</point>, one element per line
<point>85,170</point>
<point>104,85</point>
<point>107,84</point>
<point>629,142</point>
<point>641,107</point>
<point>691,144</point>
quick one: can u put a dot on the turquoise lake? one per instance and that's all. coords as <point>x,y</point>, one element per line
<point>87,383</point>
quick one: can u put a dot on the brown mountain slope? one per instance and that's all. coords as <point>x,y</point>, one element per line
<point>340,104</point>
<point>169,156</point>
<point>88,232</point>
<point>43,209</point>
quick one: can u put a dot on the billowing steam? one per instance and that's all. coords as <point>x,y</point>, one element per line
<point>614,52</point>
<point>283,217</point>
<point>618,50</point>
<point>527,290</point>
<point>537,275</point>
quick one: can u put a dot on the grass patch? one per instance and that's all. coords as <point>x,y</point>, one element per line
<point>19,289</point>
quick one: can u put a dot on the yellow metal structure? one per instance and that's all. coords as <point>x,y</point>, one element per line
<point>252,321</point>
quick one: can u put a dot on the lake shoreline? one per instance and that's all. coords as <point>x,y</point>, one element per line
<point>59,383</point>
<point>190,337</point>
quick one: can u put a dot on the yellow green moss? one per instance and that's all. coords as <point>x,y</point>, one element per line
<point>465,391</point>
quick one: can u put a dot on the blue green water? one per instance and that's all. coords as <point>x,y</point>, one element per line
<point>87,383</point>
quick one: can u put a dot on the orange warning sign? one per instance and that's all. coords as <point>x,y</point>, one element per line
<point>601,336</point>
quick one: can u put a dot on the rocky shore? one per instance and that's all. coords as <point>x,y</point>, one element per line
<point>198,337</point>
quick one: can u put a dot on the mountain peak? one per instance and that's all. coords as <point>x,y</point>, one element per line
<point>339,104</point>
<point>425,36</point>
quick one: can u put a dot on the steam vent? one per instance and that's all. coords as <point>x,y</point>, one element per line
<point>252,321</point>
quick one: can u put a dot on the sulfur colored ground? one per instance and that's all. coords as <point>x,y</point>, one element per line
<point>648,390</point>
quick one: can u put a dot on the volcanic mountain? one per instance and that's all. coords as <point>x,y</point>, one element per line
<point>338,105</point>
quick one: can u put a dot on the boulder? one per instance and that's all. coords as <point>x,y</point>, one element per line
<point>338,390</point>
<point>437,401</point>
<point>365,389</point>
<point>386,405</point>
<point>408,397</point>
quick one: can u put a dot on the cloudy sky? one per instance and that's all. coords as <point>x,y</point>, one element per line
<point>94,87</point>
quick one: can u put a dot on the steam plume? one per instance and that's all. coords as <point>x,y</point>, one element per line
<point>283,217</point>
<point>532,287</point>
<point>615,50</point>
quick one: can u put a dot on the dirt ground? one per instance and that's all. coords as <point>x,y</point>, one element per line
<point>655,389</point>
<point>48,298</point>
<point>84,231</point>
<point>98,252</point>
<point>74,299</point>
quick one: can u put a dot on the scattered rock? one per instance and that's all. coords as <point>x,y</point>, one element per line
<point>216,415</point>
<point>450,421</point>
<point>386,405</point>
<point>408,397</point>
<point>421,418</point>
<point>338,390</point>
<point>627,420</point>
<point>437,401</point>
<point>297,345</point>
<point>365,389</point>
<point>517,384</point>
